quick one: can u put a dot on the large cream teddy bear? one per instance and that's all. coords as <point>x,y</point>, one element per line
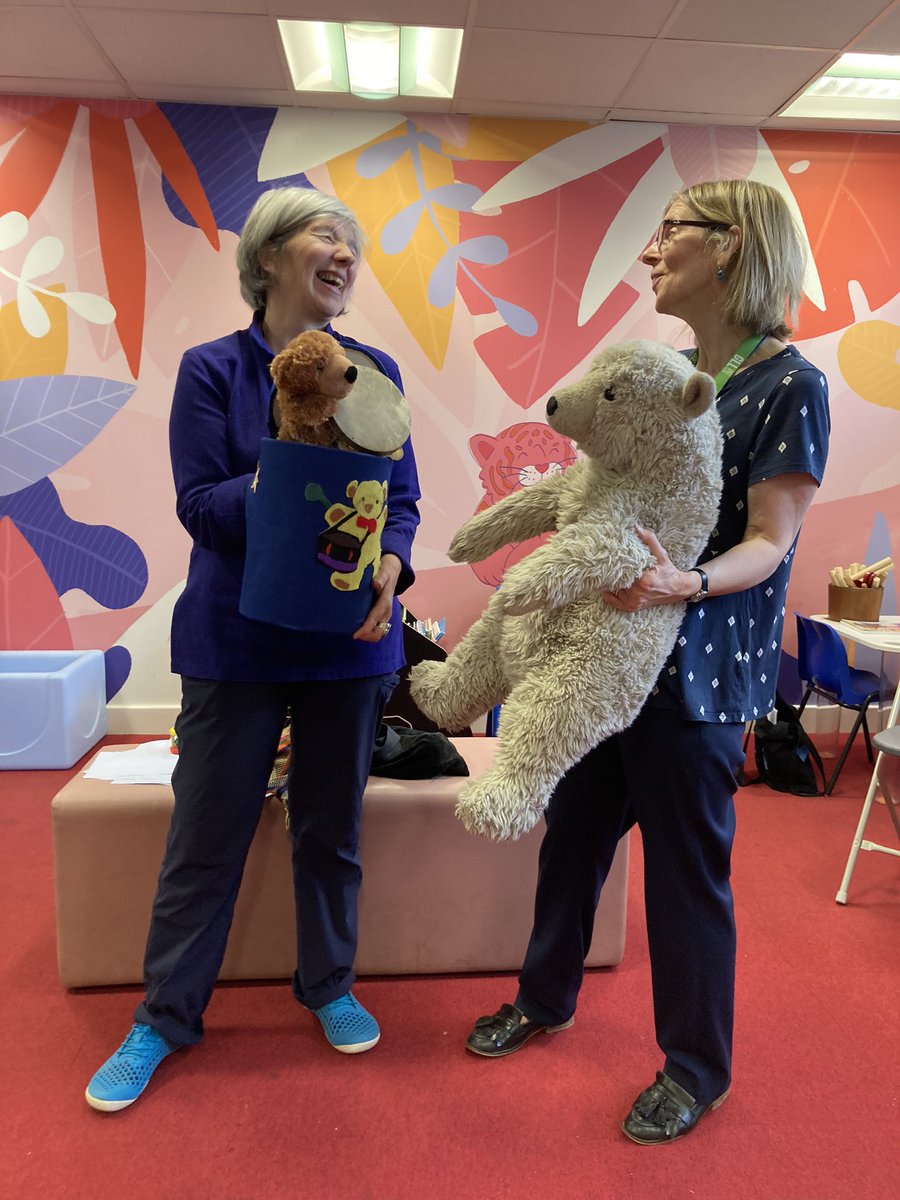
<point>570,669</point>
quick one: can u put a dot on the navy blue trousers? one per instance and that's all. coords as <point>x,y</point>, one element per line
<point>228,737</point>
<point>676,779</point>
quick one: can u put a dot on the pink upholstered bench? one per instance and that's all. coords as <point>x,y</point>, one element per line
<point>434,897</point>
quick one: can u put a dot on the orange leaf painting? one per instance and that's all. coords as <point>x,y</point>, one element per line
<point>22,356</point>
<point>846,185</point>
<point>405,276</point>
<point>495,139</point>
<point>867,357</point>
<point>181,173</point>
<point>120,231</point>
<point>31,616</point>
<point>30,166</point>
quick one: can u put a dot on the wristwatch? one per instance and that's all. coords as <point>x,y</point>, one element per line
<point>703,591</point>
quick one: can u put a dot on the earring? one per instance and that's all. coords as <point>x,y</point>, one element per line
<point>720,274</point>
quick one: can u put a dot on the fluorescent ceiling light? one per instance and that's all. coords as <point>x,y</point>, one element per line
<point>858,87</point>
<point>375,61</point>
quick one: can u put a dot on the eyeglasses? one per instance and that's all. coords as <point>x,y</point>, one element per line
<point>666,227</point>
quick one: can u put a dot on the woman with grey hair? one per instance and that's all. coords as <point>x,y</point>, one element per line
<point>298,258</point>
<point>728,260</point>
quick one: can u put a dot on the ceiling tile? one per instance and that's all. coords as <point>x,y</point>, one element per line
<point>732,80</point>
<point>562,68</point>
<point>883,37</point>
<point>398,12</point>
<point>825,23</point>
<point>194,49</point>
<point>85,89</point>
<point>48,43</point>
<point>206,6</point>
<point>575,16</point>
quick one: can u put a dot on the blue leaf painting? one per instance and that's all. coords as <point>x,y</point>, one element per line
<point>400,229</point>
<point>225,145</point>
<point>46,420</point>
<point>103,562</point>
<point>375,160</point>
<point>487,250</point>
<point>118,668</point>
<point>520,320</point>
<point>458,196</point>
<point>442,282</point>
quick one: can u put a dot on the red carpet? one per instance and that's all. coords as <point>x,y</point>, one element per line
<point>266,1109</point>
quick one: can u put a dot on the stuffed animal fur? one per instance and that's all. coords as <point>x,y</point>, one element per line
<point>569,669</point>
<point>312,373</point>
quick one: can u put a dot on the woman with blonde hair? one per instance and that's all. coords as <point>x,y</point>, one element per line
<point>728,260</point>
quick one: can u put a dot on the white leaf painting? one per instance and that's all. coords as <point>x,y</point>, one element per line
<point>13,229</point>
<point>572,158</point>
<point>628,234</point>
<point>768,171</point>
<point>303,138</point>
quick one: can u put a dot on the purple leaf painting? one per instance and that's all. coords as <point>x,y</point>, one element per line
<point>101,561</point>
<point>118,668</point>
<point>224,144</point>
<point>46,420</point>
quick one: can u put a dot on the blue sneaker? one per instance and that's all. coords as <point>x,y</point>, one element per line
<point>123,1077</point>
<point>348,1027</point>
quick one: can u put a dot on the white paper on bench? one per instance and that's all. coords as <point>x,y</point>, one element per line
<point>150,762</point>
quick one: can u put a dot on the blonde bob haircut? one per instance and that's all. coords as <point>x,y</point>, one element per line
<point>764,280</point>
<point>273,220</point>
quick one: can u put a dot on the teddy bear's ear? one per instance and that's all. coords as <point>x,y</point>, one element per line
<point>351,488</point>
<point>698,394</point>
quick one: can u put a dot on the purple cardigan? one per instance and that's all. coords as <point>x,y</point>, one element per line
<point>220,413</point>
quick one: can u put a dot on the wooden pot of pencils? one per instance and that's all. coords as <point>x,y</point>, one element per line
<point>854,603</point>
<point>855,592</point>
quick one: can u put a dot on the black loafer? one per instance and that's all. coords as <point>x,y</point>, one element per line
<point>664,1112</point>
<point>505,1032</point>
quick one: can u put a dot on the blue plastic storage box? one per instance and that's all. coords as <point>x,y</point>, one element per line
<point>52,707</point>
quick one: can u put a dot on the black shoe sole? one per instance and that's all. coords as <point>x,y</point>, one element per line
<point>518,1046</point>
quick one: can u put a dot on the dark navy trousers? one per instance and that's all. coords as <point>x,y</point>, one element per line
<point>676,779</point>
<point>228,736</point>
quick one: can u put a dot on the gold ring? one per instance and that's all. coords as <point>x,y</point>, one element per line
<point>385,627</point>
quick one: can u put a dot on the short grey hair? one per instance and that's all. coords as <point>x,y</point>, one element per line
<point>764,280</point>
<point>273,220</point>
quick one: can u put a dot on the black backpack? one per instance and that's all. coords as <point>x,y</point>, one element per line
<point>786,758</point>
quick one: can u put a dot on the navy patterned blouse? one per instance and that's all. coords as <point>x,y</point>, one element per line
<point>775,421</point>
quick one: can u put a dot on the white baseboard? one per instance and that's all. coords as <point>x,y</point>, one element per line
<point>155,719</point>
<point>829,718</point>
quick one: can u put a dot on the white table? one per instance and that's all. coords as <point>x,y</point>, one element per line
<point>885,643</point>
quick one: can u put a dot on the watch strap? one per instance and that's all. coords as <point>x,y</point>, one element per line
<point>703,590</point>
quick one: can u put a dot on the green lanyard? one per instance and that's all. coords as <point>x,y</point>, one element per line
<point>744,351</point>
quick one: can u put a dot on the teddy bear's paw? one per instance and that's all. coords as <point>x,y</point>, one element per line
<point>496,811</point>
<point>477,820</point>
<point>430,690</point>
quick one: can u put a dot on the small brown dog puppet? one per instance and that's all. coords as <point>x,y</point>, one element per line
<point>311,375</point>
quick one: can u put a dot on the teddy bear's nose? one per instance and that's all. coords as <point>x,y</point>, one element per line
<point>350,374</point>
<point>552,406</point>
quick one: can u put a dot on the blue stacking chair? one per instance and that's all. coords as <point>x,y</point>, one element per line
<point>823,666</point>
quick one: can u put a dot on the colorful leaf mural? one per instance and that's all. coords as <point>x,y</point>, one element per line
<point>106,564</point>
<point>224,146</point>
<point>31,166</point>
<point>46,420</point>
<point>868,358</point>
<point>22,357</point>
<point>551,238</point>
<point>31,616</point>
<point>394,186</point>
<point>847,192</point>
